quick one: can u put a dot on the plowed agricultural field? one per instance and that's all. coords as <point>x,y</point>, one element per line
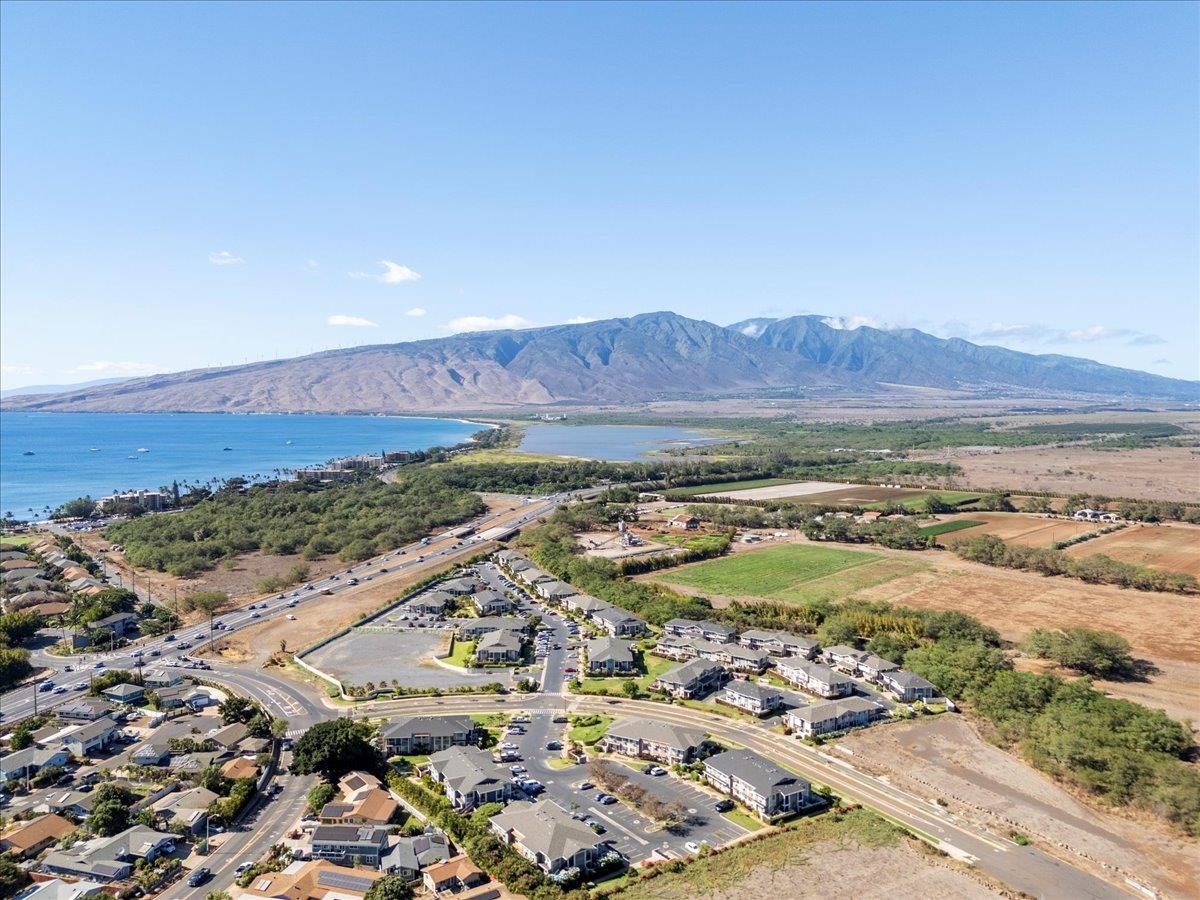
<point>1020,528</point>
<point>1172,548</point>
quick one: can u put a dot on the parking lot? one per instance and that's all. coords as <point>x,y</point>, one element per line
<point>635,836</point>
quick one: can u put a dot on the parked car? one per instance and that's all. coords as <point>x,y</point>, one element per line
<point>585,786</point>
<point>691,847</point>
<point>243,867</point>
<point>724,805</point>
<point>596,827</point>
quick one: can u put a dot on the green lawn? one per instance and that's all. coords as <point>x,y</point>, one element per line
<point>728,712</point>
<point>693,542</point>
<point>654,666</point>
<point>462,654</point>
<point>793,573</point>
<point>589,729</point>
<point>723,486</point>
<point>743,818</point>
<point>947,527</point>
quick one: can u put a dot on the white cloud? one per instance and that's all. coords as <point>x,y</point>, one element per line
<point>849,323</point>
<point>105,367</point>
<point>312,265</point>
<point>359,276</point>
<point>754,329</point>
<point>352,321</point>
<point>394,273</point>
<point>225,258</point>
<point>416,312</point>
<point>18,370</point>
<point>1096,333</point>
<point>1001,330</point>
<point>579,320</point>
<point>487,323</point>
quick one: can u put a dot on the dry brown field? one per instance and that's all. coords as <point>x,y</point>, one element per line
<point>1172,547</point>
<point>1155,473</point>
<point>1026,529</point>
<point>984,783</point>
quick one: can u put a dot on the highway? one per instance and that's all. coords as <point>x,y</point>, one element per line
<point>1026,869</point>
<point>278,695</point>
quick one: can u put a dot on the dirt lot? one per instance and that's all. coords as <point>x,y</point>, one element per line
<point>1173,547</point>
<point>945,756</point>
<point>328,614</point>
<point>834,870</point>
<point>1027,529</point>
<point>780,491</point>
<point>1156,473</point>
<point>607,544</point>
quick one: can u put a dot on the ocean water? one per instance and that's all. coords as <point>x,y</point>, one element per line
<point>184,447</point>
<point>615,443</point>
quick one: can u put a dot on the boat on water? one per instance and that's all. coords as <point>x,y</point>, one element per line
<point>29,453</point>
<point>287,442</point>
<point>143,449</point>
<point>131,457</point>
<point>93,449</point>
<point>226,449</point>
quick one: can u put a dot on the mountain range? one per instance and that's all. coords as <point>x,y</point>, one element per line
<point>654,356</point>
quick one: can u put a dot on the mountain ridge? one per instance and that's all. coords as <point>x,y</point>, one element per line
<point>651,356</point>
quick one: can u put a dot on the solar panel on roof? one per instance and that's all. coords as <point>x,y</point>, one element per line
<point>334,879</point>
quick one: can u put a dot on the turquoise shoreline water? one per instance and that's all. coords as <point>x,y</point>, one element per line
<point>48,458</point>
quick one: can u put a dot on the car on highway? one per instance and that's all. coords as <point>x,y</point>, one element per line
<point>46,686</point>
<point>80,685</point>
<point>352,581</point>
<point>255,615</point>
<point>159,652</point>
<point>98,665</point>
<point>199,876</point>
<point>61,689</point>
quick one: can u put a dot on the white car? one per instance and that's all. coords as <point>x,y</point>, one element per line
<point>691,847</point>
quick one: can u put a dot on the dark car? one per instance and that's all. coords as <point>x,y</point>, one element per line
<point>199,876</point>
<point>725,805</point>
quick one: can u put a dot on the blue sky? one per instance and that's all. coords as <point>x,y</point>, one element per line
<point>191,185</point>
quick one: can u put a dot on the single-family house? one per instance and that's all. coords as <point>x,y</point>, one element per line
<point>173,697</point>
<point>766,789</point>
<point>28,839</point>
<point>428,734</point>
<point>125,693</point>
<point>756,699</point>
<point>85,709</point>
<point>57,889</point>
<point>469,777</point>
<point>836,715</point>
<point>84,740</point>
<point>111,858</point>
<point>665,742</point>
<point>156,679</point>
<point>546,835</point>
<point>695,678</point>
<point>609,656</point>
<point>372,806</point>
<point>229,737</point>
<point>317,879</point>
<point>812,677</point>
<point>188,808</point>
<point>346,843</point>
<point>454,876</point>
<point>118,623</point>
<point>683,522</point>
<point>239,767</point>
<point>28,762</point>
<point>410,855</point>
<point>907,686</point>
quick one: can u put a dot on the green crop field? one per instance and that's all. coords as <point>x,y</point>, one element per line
<point>947,527</point>
<point>793,573</point>
<point>915,501</point>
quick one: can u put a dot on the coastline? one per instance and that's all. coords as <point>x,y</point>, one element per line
<point>62,469</point>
